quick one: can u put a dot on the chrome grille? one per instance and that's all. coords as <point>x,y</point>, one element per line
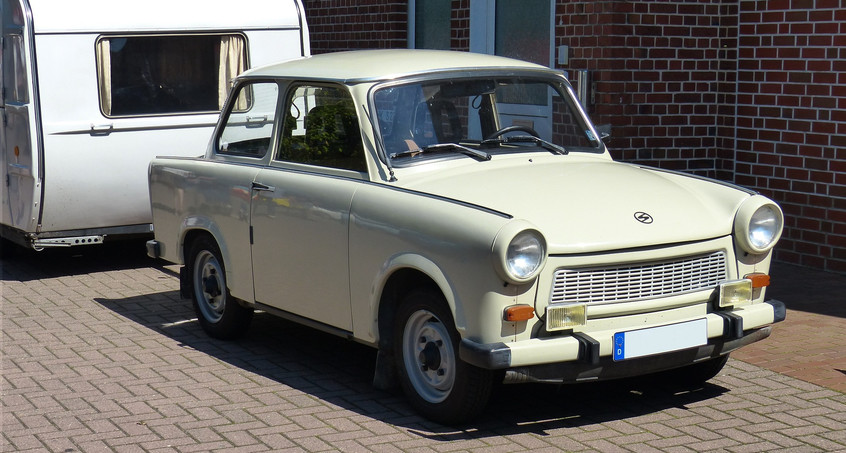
<point>642,281</point>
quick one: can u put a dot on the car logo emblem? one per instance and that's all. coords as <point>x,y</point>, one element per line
<point>643,217</point>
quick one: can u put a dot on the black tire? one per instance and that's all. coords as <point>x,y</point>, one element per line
<point>219,314</point>
<point>438,384</point>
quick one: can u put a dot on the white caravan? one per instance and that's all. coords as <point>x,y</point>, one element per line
<point>92,90</point>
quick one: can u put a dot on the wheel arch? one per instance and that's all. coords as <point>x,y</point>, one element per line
<point>407,273</point>
<point>193,229</point>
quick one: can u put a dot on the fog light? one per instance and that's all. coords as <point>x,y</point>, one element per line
<point>735,293</point>
<point>560,317</point>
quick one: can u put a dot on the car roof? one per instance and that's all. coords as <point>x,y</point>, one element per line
<point>372,65</point>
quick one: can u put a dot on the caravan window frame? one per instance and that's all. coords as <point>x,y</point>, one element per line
<point>155,88</point>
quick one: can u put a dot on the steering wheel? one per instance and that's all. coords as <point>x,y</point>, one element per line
<point>514,128</point>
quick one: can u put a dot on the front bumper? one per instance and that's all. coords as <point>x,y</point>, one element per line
<point>587,356</point>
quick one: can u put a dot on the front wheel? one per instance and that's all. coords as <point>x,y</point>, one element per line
<point>437,383</point>
<point>218,313</point>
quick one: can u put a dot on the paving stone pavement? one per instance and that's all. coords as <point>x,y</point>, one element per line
<point>100,354</point>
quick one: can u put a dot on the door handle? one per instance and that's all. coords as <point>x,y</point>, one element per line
<point>259,187</point>
<point>102,129</point>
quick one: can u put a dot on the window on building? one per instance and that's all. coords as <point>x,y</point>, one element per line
<point>520,31</point>
<point>153,75</point>
<point>432,24</point>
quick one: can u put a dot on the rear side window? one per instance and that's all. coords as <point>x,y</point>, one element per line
<point>248,127</point>
<point>168,74</point>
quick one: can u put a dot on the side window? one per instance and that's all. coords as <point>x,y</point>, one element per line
<point>14,77</point>
<point>13,56</point>
<point>155,75</point>
<point>249,122</point>
<point>321,128</point>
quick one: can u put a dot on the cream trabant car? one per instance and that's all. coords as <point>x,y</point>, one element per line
<point>460,214</point>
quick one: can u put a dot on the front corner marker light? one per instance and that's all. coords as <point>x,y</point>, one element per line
<point>759,280</point>
<point>517,313</point>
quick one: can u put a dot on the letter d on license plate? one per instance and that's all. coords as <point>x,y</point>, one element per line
<point>657,340</point>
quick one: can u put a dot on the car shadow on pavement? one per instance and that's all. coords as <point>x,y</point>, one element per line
<point>21,264</point>
<point>339,372</point>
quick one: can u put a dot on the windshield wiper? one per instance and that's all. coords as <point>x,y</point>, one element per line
<point>438,147</point>
<point>528,139</point>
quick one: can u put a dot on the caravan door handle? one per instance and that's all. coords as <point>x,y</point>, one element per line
<point>102,129</point>
<point>259,187</point>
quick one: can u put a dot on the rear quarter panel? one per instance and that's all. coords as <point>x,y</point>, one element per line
<point>197,195</point>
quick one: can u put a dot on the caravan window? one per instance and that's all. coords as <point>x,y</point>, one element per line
<point>156,75</point>
<point>14,76</point>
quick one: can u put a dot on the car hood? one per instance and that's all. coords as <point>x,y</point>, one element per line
<point>586,204</point>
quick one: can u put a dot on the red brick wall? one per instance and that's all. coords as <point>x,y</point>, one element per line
<point>657,68</point>
<point>460,25</point>
<point>791,121</point>
<point>337,25</point>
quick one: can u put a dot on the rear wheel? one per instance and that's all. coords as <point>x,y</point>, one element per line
<point>219,314</point>
<point>437,383</point>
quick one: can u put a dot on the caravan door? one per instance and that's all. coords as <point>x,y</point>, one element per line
<point>21,184</point>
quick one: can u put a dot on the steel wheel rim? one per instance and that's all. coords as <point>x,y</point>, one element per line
<point>425,342</point>
<point>208,275</point>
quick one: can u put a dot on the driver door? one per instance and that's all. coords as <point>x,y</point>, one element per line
<point>301,208</point>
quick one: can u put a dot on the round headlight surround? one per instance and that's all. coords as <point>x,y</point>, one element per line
<point>758,225</point>
<point>524,255</point>
<point>519,253</point>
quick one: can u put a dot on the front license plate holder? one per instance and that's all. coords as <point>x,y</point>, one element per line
<point>657,340</point>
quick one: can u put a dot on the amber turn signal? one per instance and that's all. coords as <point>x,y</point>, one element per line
<point>519,313</point>
<point>759,280</point>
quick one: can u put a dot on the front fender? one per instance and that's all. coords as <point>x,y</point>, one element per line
<point>423,265</point>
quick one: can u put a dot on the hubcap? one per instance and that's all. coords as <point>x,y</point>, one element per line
<point>428,356</point>
<point>209,286</point>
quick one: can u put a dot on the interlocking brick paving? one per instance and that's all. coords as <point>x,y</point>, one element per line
<point>100,354</point>
<point>811,343</point>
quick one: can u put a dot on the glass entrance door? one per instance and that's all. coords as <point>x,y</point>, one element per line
<point>521,30</point>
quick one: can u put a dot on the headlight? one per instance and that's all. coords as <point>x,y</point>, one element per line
<point>519,253</point>
<point>525,255</point>
<point>758,224</point>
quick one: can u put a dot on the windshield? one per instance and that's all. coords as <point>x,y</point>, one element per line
<point>480,117</point>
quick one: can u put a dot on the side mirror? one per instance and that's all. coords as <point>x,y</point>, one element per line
<point>604,131</point>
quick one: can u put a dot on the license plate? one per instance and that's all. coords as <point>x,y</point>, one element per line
<point>657,340</point>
